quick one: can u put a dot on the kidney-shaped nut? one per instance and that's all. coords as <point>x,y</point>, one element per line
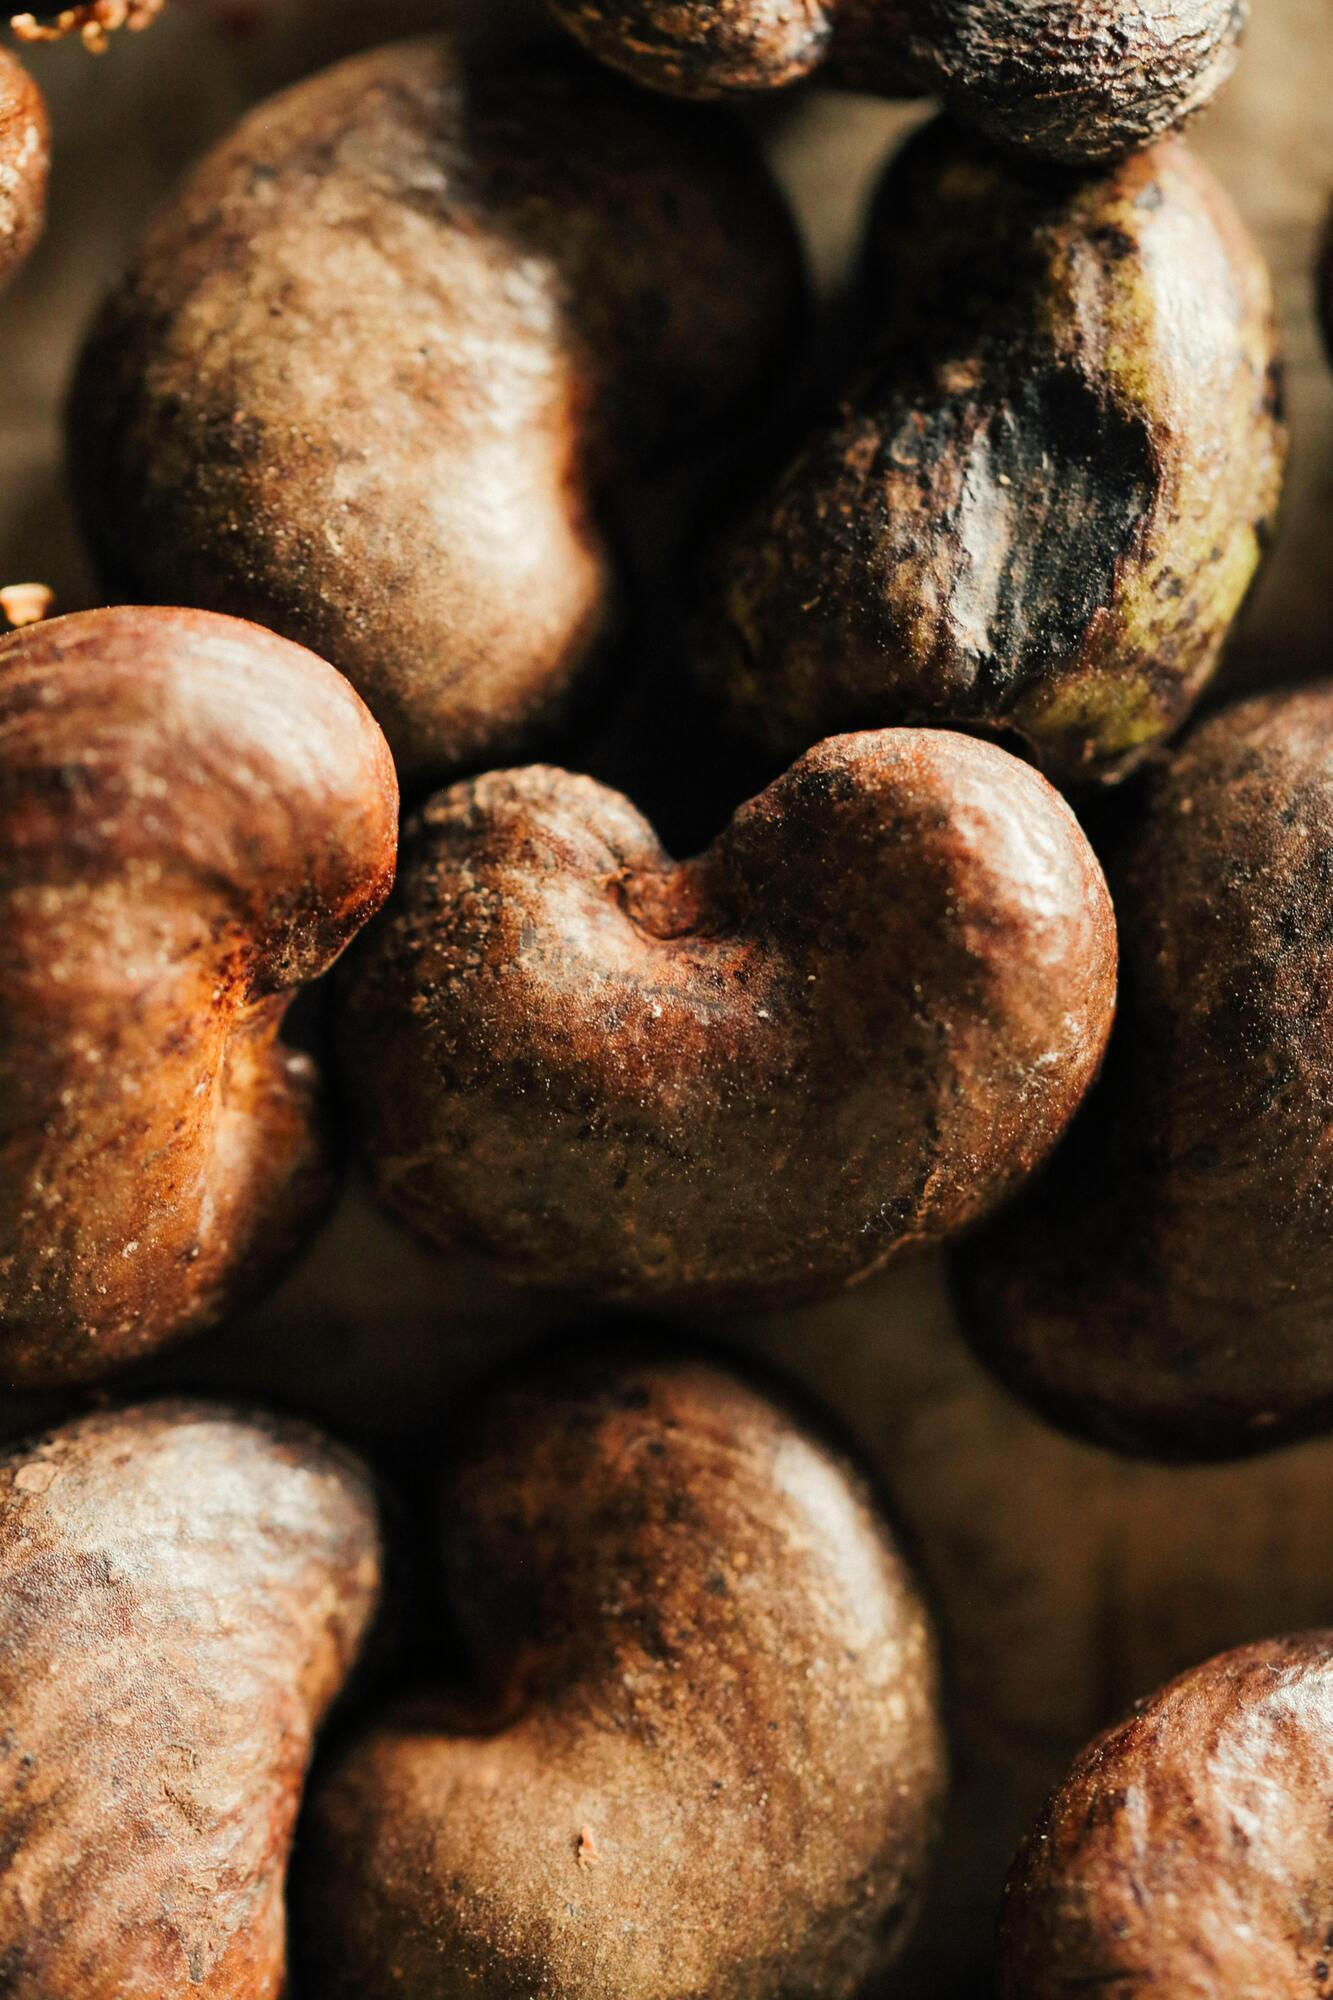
<point>702,1752</point>
<point>1189,1851</point>
<point>1168,1287</point>
<point>25,159</point>
<point>1069,80</point>
<point>182,1594</point>
<point>195,817</point>
<point>1045,496</point>
<point>377,371</point>
<point>851,1026</point>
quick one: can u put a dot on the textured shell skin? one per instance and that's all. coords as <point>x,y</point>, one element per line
<point>706,1753</point>
<point>1168,1286</point>
<point>183,1593</point>
<point>1065,80</point>
<point>1044,498</point>
<point>381,366</point>
<point>195,818</point>
<point>1189,1850</point>
<point>25,160</point>
<point>850,1027</point>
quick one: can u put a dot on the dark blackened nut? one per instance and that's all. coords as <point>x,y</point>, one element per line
<point>1067,80</point>
<point>1168,1286</point>
<point>378,369</point>
<point>182,1594</point>
<point>25,159</point>
<point>195,817</point>
<point>1189,1850</point>
<point>703,1753</point>
<point>850,1027</point>
<point>1042,502</point>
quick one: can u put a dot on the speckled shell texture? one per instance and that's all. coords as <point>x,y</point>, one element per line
<point>1043,499</point>
<point>25,158</point>
<point>1169,1286</point>
<point>182,1594</point>
<point>381,367</point>
<point>704,1754</point>
<point>850,1027</point>
<point>1189,1851</point>
<point>195,817</point>
<point>1067,80</point>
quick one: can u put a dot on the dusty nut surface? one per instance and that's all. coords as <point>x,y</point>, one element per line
<point>182,1594</point>
<point>1067,80</point>
<point>1041,503</point>
<point>195,817</point>
<point>704,1754</point>
<point>1168,1286</point>
<point>381,367</point>
<point>849,1027</point>
<point>1188,1852</point>
<point>25,160</point>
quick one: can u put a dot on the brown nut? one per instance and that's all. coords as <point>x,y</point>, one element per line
<point>701,1752</point>
<point>1067,80</point>
<point>195,817</point>
<point>1168,1286</point>
<point>1188,1852</point>
<point>182,1594</point>
<point>25,160</point>
<point>378,370</point>
<point>1324,281</point>
<point>851,1026</point>
<point>1042,502</point>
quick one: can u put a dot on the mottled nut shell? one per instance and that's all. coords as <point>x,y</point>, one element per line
<point>1168,1287</point>
<point>195,817</point>
<point>704,1753</point>
<point>182,1594</point>
<point>704,48</point>
<point>25,159</point>
<point>1041,504</point>
<point>851,1026</point>
<point>1189,1851</point>
<point>376,370</point>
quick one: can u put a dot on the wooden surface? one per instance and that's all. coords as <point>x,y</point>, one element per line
<point>1068,1582</point>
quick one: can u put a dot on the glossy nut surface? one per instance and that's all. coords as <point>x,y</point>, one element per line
<point>702,1750</point>
<point>25,159</point>
<point>848,1028</point>
<point>195,818</point>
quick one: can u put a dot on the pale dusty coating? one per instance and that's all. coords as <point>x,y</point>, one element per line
<point>182,1594</point>
<point>381,368</point>
<point>195,817</point>
<point>850,1027</point>
<point>706,1753</point>
<point>25,160</point>
<point>1189,1851</point>
<point>1043,498</point>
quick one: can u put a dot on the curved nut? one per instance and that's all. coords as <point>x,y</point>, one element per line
<point>848,1028</point>
<point>195,817</point>
<point>704,1754</point>
<point>705,48</point>
<point>182,1594</point>
<point>1168,1287</point>
<point>1042,502</point>
<point>1189,1850</point>
<point>380,369</point>
<point>25,161</point>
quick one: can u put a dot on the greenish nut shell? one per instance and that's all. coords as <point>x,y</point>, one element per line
<point>1045,496</point>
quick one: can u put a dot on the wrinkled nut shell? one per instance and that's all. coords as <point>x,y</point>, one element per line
<point>704,1754</point>
<point>1067,80</point>
<point>25,161</point>
<point>853,1025</point>
<point>1041,505</point>
<point>182,1594</point>
<point>1168,1287</point>
<point>195,817</point>
<point>1189,1851</point>
<point>379,369</point>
